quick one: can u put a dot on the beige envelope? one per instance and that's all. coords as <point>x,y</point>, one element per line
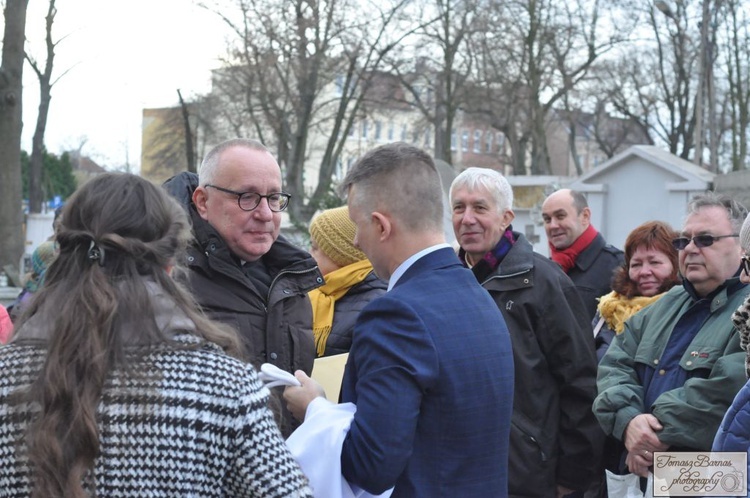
<point>329,372</point>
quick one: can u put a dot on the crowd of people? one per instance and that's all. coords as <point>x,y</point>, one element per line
<point>137,355</point>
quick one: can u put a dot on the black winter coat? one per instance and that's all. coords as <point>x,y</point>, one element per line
<point>347,310</point>
<point>275,328</point>
<point>592,273</point>
<point>554,437</point>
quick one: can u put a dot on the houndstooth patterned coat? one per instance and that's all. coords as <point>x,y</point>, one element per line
<point>190,423</point>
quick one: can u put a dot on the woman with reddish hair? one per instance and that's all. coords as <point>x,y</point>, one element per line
<point>649,270</point>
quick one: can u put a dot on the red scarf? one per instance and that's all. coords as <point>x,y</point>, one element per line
<point>567,257</point>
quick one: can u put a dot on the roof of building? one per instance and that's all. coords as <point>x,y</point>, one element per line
<point>693,176</point>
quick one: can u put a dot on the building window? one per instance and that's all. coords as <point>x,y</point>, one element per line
<point>488,142</point>
<point>403,133</point>
<point>378,130</point>
<point>465,141</point>
<point>352,130</point>
<point>365,128</point>
<point>477,141</point>
<point>500,140</point>
<point>391,131</point>
<point>454,143</point>
<point>427,136</point>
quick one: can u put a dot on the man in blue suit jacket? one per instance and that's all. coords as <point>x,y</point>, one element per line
<point>431,367</point>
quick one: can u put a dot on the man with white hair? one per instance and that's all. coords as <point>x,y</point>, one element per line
<point>555,438</point>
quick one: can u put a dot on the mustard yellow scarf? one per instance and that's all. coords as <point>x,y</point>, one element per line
<point>324,298</point>
<point>616,308</point>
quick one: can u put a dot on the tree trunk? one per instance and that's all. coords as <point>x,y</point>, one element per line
<point>36,161</point>
<point>11,87</point>
<point>189,148</point>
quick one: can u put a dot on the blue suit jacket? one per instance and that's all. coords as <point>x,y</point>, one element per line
<point>431,373</point>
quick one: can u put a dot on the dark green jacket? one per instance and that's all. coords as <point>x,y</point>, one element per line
<point>692,413</point>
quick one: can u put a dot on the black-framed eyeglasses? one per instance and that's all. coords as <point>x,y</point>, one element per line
<point>277,201</point>
<point>746,265</point>
<point>681,243</point>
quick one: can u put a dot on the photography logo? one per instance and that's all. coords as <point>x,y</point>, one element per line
<point>700,474</point>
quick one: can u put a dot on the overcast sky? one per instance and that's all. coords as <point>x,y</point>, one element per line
<point>120,57</point>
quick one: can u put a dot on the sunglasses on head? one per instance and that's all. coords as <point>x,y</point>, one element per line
<point>681,243</point>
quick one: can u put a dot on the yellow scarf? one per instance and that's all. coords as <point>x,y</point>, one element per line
<point>616,308</point>
<point>324,298</point>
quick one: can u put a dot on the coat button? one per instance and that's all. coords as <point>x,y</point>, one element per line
<point>319,280</point>
<point>688,363</point>
<point>526,280</point>
<point>191,258</point>
<point>273,356</point>
<point>662,371</point>
<point>656,362</point>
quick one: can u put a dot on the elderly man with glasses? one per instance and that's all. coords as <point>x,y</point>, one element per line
<point>241,271</point>
<point>668,379</point>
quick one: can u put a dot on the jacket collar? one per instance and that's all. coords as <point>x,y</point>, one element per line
<point>720,295</point>
<point>520,258</point>
<point>437,259</point>
<point>589,255</point>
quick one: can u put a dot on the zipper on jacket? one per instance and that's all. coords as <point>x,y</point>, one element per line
<point>285,272</point>
<point>541,451</point>
<point>506,276</point>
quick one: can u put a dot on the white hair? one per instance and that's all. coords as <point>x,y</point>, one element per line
<point>495,183</point>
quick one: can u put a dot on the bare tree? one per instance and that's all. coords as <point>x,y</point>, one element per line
<point>437,84</point>
<point>737,67</point>
<point>654,82</point>
<point>189,148</point>
<point>540,51</point>
<point>36,194</point>
<point>301,69</point>
<point>11,88</point>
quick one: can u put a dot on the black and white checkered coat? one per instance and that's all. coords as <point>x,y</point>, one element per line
<point>191,423</point>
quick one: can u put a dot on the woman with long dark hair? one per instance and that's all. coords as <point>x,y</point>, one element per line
<point>113,384</point>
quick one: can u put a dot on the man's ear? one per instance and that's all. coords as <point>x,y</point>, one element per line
<point>200,198</point>
<point>383,224</point>
<point>508,217</point>
<point>586,216</point>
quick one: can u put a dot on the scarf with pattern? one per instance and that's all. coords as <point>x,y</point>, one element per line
<point>741,319</point>
<point>324,298</point>
<point>490,261</point>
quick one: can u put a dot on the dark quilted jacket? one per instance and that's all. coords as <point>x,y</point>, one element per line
<point>276,328</point>
<point>347,310</point>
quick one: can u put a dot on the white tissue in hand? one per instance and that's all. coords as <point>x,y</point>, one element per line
<point>273,376</point>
